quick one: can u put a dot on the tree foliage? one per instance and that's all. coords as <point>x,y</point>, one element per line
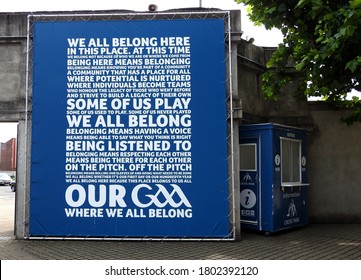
<point>323,38</point>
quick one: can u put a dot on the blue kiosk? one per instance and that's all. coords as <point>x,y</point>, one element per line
<point>273,177</point>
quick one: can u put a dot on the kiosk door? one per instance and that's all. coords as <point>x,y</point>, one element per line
<point>249,177</point>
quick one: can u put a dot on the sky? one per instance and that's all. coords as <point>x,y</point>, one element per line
<point>263,37</point>
<point>7,131</point>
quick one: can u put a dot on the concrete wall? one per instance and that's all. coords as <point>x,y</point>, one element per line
<point>12,66</point>
<point>290,108</point>
<point>10,71</point>
<point>251,66</point>
<point>335,167</point>
<point>13,46</point>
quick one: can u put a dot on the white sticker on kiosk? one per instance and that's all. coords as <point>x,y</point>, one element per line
<point>277,160</point>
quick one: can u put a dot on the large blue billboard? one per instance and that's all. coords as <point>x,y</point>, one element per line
<point>129,129</point>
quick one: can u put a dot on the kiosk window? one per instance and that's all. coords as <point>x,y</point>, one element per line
<point>291,161</point>
<point>248,157</point>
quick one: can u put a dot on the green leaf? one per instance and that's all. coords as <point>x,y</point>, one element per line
<point>271,10</point>
<point>317,2</point>
<point>355,3</point>
<point>348,30</point>
<point>329,16</point>
<point>352,65</point>
<point>302,3</point>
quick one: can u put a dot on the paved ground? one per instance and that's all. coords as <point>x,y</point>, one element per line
<point>331,241</point>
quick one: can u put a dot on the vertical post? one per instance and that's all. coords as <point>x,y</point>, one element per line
<point>23,174</point>
<point>235,114</point>
<point>22,183</point>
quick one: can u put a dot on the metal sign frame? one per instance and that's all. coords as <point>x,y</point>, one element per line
<point>135,16</point>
